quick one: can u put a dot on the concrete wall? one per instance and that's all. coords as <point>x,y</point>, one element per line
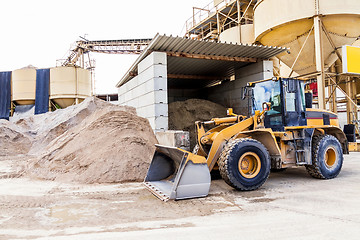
<point>228,94</point>
<point>147,92</point>
<point>180,139</point>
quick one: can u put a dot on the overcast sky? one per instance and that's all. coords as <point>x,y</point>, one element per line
<point>39,32</point>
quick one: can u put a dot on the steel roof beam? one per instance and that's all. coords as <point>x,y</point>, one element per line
<point>212,57</point>
<point>194,77</point>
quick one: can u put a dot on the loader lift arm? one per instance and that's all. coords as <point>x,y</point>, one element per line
<point>219,139</point>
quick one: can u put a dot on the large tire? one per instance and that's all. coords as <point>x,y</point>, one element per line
<point>244,164</point>
<point>327,157</point>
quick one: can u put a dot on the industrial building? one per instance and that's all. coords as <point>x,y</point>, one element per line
<point>175,69</point>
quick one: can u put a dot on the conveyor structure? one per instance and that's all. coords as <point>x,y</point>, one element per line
<point>76,55</point>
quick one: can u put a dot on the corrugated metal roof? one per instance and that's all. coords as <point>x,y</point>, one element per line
<point>183,65</point>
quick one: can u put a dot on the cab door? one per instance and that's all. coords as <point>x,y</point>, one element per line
<point>294,102</point>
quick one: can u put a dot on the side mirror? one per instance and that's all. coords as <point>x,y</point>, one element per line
<point>291,86</point>
<point>308,99</point>
<point>243,93</point>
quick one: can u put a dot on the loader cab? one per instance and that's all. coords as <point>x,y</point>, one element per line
<point>286,100</point>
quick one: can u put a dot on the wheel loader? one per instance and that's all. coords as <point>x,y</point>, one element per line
<point>283,131</point>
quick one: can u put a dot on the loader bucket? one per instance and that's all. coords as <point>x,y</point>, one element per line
<point>177,174</point>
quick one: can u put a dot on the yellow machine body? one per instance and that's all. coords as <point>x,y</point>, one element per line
<point>246,148</point>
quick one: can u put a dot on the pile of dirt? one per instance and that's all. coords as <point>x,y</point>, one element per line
<point>12,140</point>
<point>93,142</point>
<point>184,114</point>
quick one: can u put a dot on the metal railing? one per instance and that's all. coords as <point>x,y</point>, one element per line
<point>203,13</point>
<point>208,22</point>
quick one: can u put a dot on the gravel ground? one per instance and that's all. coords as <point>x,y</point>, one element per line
<point>290,204</point>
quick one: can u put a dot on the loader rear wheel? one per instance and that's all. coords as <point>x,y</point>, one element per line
<point>244,164</point>
<point>327,157</point>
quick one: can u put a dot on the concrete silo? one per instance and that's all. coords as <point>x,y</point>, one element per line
<point>24,86</point>
<point>69,85</point>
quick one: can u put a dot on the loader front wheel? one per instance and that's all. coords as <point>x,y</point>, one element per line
<point>327,157</point>
<point>244,164</point>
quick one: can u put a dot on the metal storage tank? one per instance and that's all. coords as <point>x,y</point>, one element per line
<point>242,33</point>
<point>24,86</point>
<point>288,23</point>
<point>69,85</point>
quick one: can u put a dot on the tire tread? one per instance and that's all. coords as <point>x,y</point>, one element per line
<point>223,163</point>
<point>314,169</point>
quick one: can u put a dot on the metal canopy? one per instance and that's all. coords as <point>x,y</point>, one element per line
<point>201,60</point>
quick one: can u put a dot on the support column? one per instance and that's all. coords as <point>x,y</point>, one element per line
<point>82,59</point>
<point>353,97</point>
<point>329,88</point>
<point>239,17</point>
<point>218,23</point>
<point>338,70</point>
<point>349,105</point>
<point>238,6</point>
<point>319,62</point>
<point>77,86</point>
<point>332,92</point>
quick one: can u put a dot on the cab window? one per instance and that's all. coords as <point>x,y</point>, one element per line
<point>269,92</point>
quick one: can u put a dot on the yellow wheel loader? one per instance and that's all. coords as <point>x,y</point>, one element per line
<point>282,132</point>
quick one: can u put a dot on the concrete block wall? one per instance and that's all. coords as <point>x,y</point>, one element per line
<point>228,94</point>
<point>180,139</point>
<point>147,92</point>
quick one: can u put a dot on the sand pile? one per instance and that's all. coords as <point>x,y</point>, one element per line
<point>93,142</point>
<point>184,114</point>
<point>12,140</point>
